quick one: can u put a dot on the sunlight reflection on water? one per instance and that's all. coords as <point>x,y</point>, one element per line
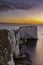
<point>38,57</point>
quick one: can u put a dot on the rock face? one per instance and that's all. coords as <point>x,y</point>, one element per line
<point>13,38</point>
<point>23,59</point>
<point>10,44</point>
<point>28,32</point>
<point>4,47</point>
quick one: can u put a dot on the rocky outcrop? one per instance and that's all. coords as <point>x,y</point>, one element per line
<point>10,43</point>
<point>5,49</point>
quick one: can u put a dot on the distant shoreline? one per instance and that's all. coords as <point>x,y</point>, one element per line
<point>19,24</point>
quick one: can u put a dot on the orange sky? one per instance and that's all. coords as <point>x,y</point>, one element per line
<point>22,20</point>
<point>34,16</point>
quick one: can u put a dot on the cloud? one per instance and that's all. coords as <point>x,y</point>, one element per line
<point>5,5</point>
<point>16,4</point>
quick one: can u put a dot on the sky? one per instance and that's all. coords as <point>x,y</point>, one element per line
<point>21,11</point>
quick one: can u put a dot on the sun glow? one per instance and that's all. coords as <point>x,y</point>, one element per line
<point>22,20</point>
<point>40,19</point>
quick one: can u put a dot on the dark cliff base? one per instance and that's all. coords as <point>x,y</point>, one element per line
<point>29,42</point>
